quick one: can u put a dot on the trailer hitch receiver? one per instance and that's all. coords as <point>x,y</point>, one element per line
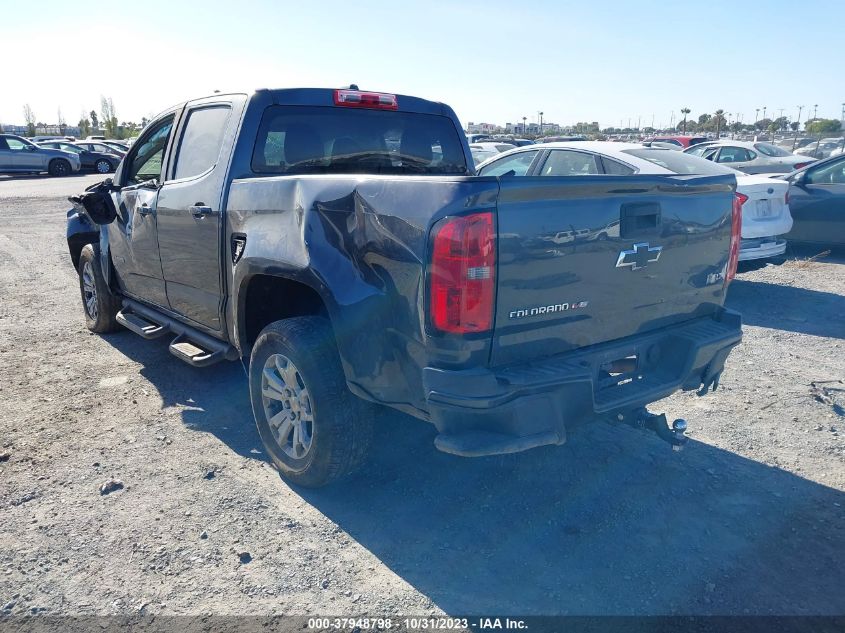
<point>674,436</point>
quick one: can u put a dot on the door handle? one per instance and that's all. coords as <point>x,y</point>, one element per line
<point>199,210</point>
<point>145,209</point>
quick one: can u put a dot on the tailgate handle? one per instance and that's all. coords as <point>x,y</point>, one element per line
<point>639,218</point>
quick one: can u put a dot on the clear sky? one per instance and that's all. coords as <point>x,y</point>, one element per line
<point>491,61</point>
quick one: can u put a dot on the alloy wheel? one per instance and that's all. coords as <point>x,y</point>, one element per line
<point>287,406</point>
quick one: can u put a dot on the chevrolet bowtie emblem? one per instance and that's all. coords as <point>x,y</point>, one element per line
<point>639,257</point>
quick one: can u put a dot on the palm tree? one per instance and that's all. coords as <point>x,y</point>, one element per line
<point>685,112</point>
<point>719,119</point>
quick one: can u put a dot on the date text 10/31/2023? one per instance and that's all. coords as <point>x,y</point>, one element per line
<point>417,623</point>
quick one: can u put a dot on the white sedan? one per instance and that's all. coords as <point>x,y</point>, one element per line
<point>486,150</point>
<point>765,201</point>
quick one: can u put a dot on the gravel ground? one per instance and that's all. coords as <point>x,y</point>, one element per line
<point>747,520</point>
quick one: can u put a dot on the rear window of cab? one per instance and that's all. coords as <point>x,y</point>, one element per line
<point>326,140</point>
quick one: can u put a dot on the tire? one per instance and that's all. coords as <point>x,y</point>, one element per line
<point>102,166</point>
<point>99,303</point>
<point>59,167</point>
<point>299,356</point>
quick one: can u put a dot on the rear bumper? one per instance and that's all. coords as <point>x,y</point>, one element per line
<point>761,248</point>
<point>493,411</point>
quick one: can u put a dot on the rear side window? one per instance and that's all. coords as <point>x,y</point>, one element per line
<point>563,162</point>
<point>615,168</point>
<point>734,155</point>
<point>201,141</point>
<point>326,140</point>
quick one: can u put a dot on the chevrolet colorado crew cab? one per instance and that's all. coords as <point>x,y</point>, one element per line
<point>341,241</point>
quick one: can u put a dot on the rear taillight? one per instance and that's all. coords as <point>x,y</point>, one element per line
<point>463,274</point>
<point>742,198</point>
<point>736,236</point>
<point>358,99</point>
<point>801,165</point>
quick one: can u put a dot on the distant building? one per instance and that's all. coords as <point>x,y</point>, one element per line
<point>532,129</point>
<point>42,130</point>
<point>482,128</point>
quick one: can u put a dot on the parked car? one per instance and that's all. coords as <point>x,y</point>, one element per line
<point>97,161</point>
<point>796,143</point>
<point>560,139</point>
<point>477,138</point>
<point>497,146</point>
<point>765,209</point>
<point>276,237</point>
<point>18,155</point>
<point>817,202</point>
<point>100,147</point>
<point>681,141</point>
<point>663,145</point>
<point>120,146</point>
<point>38,139</point>
<point>752,157</point>
<point>480,155</point>
<point>822,148</point>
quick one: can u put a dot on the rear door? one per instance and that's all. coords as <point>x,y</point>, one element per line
<point>190,223</point>
<point>582,260</point>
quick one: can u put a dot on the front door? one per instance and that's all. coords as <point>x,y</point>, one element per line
<point>189,212</point>
<point>817,205</point>
<point>25,154</point>
<point>132,236</point>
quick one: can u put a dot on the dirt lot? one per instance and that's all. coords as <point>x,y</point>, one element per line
<point>750,518</point>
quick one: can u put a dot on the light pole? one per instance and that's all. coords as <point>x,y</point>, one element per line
<point>764,112</point>
<point>756,116</point>
<point>797,127</point>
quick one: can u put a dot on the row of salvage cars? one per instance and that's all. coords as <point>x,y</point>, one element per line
<point>807,204</point>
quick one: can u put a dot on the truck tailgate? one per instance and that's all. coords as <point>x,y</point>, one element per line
<point>584,260</point>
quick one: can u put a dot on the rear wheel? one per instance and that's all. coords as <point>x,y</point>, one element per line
<point>314,429</point>
<point>102,166</point>
<point>59,167</point>
<point>98,301</point>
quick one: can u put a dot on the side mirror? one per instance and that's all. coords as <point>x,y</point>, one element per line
<point>31,148</point>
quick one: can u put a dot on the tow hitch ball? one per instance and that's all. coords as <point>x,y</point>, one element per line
<point>643,419</point>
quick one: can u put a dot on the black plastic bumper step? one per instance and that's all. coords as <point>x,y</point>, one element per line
<point>141,326</point>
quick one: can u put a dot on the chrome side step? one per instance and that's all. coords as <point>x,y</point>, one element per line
<point>187,351</point>
<point>190,345</point>
<point>139,325</point>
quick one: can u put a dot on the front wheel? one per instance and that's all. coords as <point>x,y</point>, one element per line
<point>59,167</point>
<point>98,301</point>
<point>314,429</point>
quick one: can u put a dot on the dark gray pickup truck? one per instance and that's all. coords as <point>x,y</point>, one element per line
<point>341,240</point>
